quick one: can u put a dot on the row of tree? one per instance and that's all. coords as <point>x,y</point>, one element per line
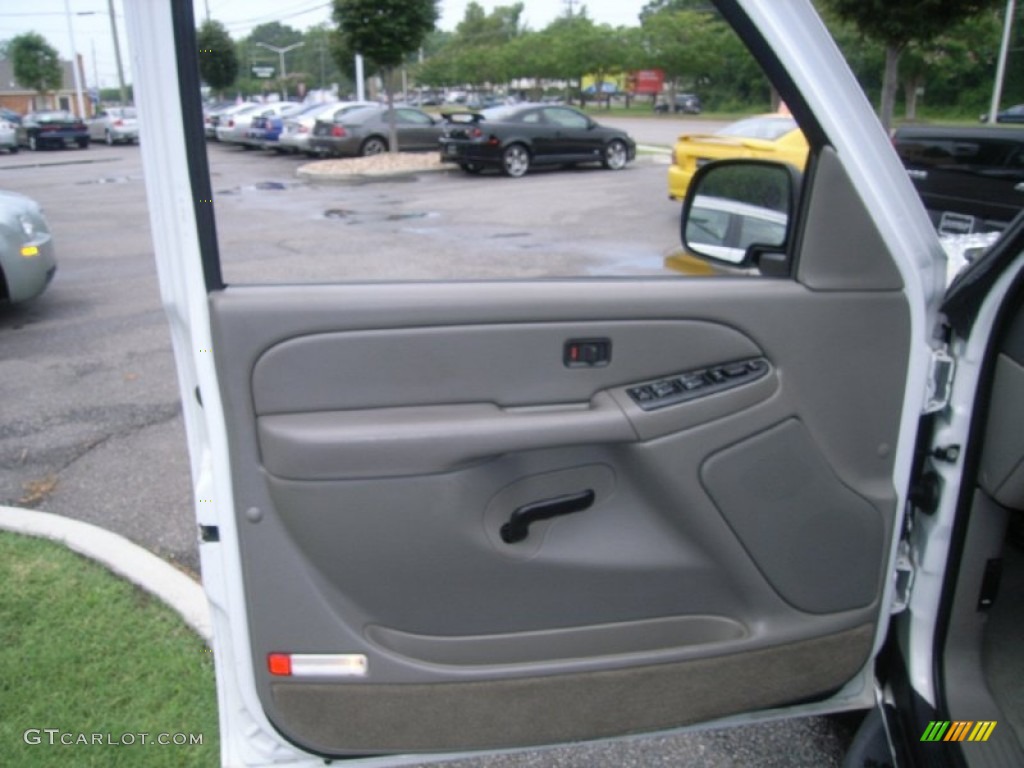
<point>945,49</point>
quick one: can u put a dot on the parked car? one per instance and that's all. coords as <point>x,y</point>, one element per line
<point>114,125</point>
<point>265,128</point>
<point>10,115</point>
<point>213,117</point>
<point>362,132</point>
<point>725,228</point>
<point>27,261</point>
<point>8,135</point>
<point>1014,114</point>
<point>298,128</point>
<point>516,137</point>
<point>49,128</point>
<point>770,137</point>
<point>971,179</point>
<point>234,127</point>
<point>686,103</point>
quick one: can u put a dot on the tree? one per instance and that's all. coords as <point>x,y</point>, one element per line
<point>477,52</point>
<point>218,62</point>
<point>314,59</point>
<point>897,24</point>
<point>954,68</point>
<point>385,31</point>
<point>276,34</point>
<point>36,63</point>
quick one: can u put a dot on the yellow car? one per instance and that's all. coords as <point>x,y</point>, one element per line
<point>768,137</point>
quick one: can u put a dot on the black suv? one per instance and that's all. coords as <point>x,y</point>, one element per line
<point>970,179</point>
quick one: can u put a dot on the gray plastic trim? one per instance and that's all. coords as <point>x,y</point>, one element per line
<point>340,719</point>
<point>1002,459</point>
<point>392,442</point>
<point>507,364</point>
<point>848,251</point>
<point>968,695</point>
<point>652,546</point>
<point>815,540</point>
<point>552,645</point>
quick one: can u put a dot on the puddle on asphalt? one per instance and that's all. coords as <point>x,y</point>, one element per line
<point>359,217</point>
<point>110,180</point>
<point>405,216</point>
<point>262,186</point>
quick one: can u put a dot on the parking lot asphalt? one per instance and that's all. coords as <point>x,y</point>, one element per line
<point>90,422</point>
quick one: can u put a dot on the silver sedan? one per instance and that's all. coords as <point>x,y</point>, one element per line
<point>114,125</point>
<point>8,136</point>
<point>298,128</point>
<point>366,131</point>
<point>27,261</point>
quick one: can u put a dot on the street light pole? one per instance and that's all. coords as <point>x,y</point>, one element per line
<point>997,90</point>
<point>117,54</point>
<point>74,63</point>
<point>281,52</point>
<point>117,48</point>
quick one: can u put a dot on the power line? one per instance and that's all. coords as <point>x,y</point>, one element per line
<point>267,18</point>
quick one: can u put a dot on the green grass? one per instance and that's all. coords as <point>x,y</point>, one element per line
<point>93,656</point>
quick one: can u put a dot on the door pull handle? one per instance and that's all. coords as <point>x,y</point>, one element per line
<point>518,526</point>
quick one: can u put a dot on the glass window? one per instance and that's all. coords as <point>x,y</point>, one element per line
<point>530,191</point>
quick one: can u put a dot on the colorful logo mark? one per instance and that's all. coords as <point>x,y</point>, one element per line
<point>958,730</point>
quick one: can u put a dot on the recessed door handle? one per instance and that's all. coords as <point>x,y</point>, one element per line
<point>518,526</point>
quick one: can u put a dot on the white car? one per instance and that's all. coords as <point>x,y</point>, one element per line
<point>212,116</point>
<point>298,128</point>
<point>114,125</point>
<point>440,517</point>
<point>234,127</point>
<point>8,136</point>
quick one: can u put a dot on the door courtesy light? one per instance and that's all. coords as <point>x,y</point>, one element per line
<point>317,664</point>
<point>279,664</point>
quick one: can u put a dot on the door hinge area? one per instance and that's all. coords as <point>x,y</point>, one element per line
<point>904,579</point>
<point>940,381</point>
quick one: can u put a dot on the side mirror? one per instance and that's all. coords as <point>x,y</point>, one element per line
<point>736,210</point>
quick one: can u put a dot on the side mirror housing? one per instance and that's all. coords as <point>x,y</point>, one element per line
<point>737,211</point>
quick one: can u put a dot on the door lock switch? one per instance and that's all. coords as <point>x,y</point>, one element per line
<point>690,385</point>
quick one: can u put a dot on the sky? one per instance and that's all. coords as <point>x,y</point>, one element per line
<point>94,41</point>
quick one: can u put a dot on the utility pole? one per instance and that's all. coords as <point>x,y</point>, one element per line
<point>570,6</point>
<point>360,79</point>
<point>117,53</point>
<point>74,62</point>
<point>997,89</point>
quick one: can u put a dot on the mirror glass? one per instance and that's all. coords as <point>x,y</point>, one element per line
<point>737,205</point>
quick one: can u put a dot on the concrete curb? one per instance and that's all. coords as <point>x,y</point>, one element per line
<point>651,153</point>
<point>363,178</point>
<point>122,557</point>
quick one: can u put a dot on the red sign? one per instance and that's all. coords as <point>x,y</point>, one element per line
<point>648,81</point>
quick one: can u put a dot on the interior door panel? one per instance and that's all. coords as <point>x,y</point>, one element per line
<point>683,560</point>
